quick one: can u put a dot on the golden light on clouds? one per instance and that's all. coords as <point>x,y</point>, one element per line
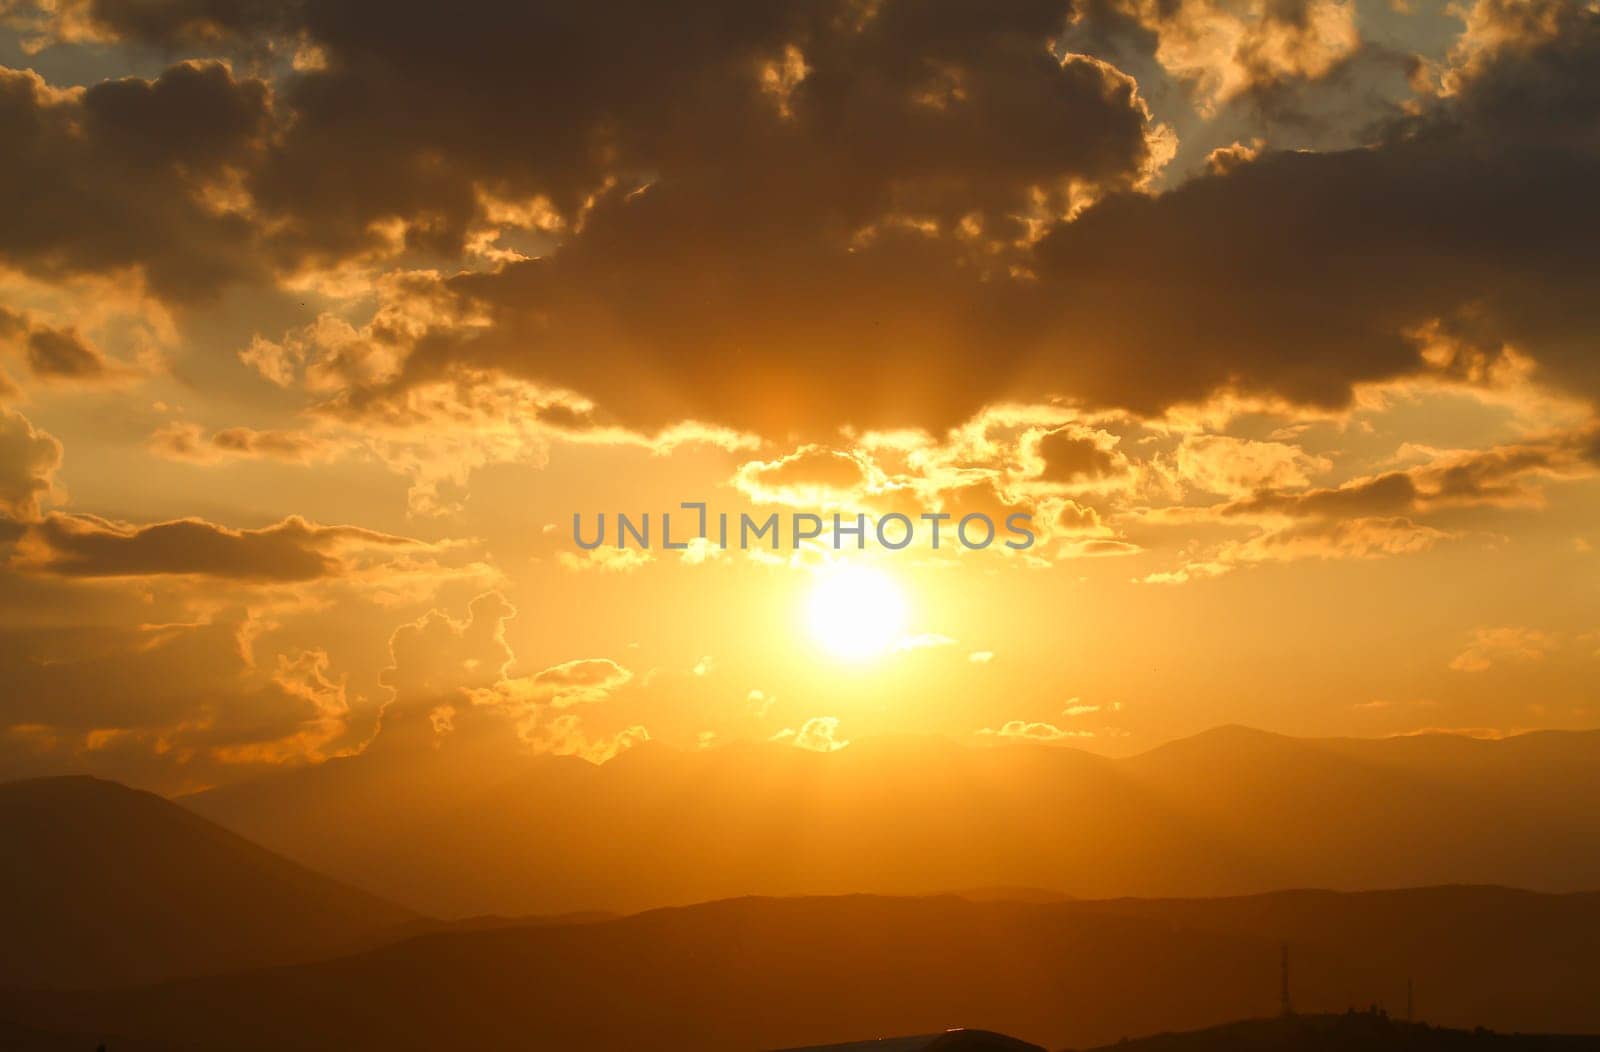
<point>1273,322</point>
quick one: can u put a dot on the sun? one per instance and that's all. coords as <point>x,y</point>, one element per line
<point>856,613</point>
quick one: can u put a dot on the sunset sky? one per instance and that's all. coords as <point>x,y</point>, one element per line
<point>320,321</point>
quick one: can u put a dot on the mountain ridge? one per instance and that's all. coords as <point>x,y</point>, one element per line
<point>107,884</point>
<point>759,972</point>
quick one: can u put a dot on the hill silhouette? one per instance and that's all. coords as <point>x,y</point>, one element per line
<point>773,973</point>
<point>105,884</point>
<point>1230,811</point>
<point>1348,1032</point>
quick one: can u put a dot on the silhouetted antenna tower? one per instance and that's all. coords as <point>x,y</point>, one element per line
<point>1287,1006</point>
<point>1409,1017</point>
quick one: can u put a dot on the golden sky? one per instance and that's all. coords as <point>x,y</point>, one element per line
<point>319,322</point>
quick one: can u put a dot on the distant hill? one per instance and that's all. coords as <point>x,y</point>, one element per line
<point>1348,1032</point>
<point>101,884</point>
<point>17,1038</point>
<point>774,973</point>
<point>1230,811</point>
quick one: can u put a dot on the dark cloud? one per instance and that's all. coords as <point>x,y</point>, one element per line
<point>1301,274</point>
<point>787,218</point>
<point>172,24</point>
<point>13,324</point>
<point>53,353</point>
<point>1073,454</point>
<point>115,177</point>
<point>835,244</point>
<point>62,353</point>
<point>1296,276</point>
<point>1383,495</point>
<point>1501,476</point>
<point>820,190</point>
<point>408,111</point>
<point>292,550</point>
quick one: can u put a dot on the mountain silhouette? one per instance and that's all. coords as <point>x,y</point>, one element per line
<point>105,884</point>
<point>958,1040</point>
<point>1230,811</point>
<point>757,973</point>
<point>1353,1031</point>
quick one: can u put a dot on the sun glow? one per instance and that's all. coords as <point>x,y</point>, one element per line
<point>856,613</point>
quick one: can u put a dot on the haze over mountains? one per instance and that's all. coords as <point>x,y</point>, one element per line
<point>134,922</point>
<point>1230,811</point>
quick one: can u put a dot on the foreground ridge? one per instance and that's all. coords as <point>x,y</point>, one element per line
<point>1371,1028</point>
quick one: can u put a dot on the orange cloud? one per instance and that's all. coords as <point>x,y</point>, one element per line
<point>817,734</point>
<point>28,462</point>
<point>1040,732</point>
<point>1494,646</point>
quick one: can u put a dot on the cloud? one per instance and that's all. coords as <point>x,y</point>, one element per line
<point>606,559</point>
<point>1039,732</point>
<point>873,169</point>
<point>1300,274</point>
<point>758,702</point>
<point>908,256</point>
<point>63,354</point>
<point>894,215</point>
<point>1226,49</point>
<point>818,734</point>
<point>1259,282</point>
<point>1233,466</point>
<point>330,353</point>
<point>998,465</point>
<point>55,354</point>
<point>585,680</point>
<point>181,704</point>
<point>1379,516</point>
<point>28,462</point>
<point>129,174</point>
<point>437,665</point>
<point>291,550</point>
<point>1224,159</point>
<point>451,686</point>
<point>1497,477</point>
<point>810,477</point>
<point>304,675</point>
<point>868,95</point>
<point>1074,453</point>
<point>191,442</point>
<point>565,736</point>
<point>1493,646</point>
<point>435,431</point>
<point>1360,538</point>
